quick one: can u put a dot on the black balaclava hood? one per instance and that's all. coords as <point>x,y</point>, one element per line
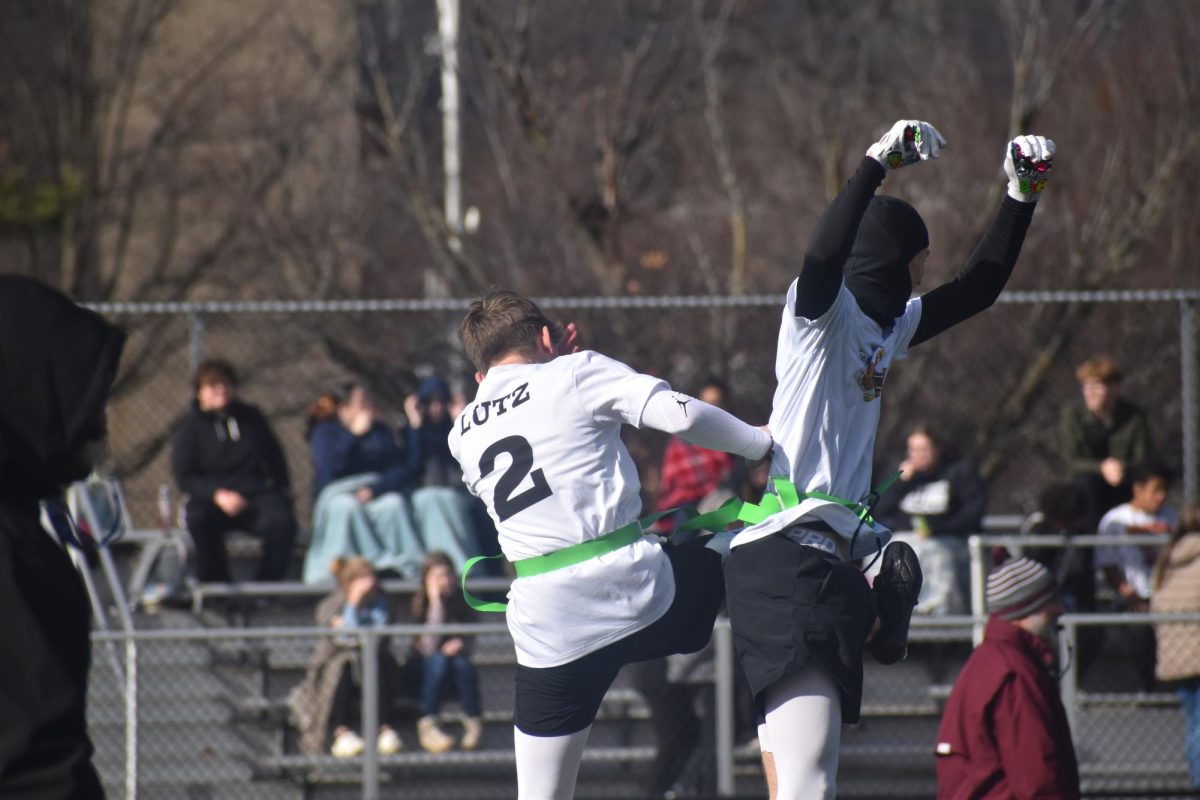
<point>890,235</point>
<point>57,366</point>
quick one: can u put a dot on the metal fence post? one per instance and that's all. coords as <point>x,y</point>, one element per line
<point>1187,373</point>
<point>1069,679</point>
<point>131,717</point>
<point>975,554</point>
<point>723,644</point>
<point>370,713</point>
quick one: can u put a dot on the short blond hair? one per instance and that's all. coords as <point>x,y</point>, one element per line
<point>503,322</point>
<point>1100,368</point>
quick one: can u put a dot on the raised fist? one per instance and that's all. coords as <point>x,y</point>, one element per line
<point>907,142</point>
<point>1028,161</point>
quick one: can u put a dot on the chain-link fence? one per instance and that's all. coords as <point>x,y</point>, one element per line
<point>195,712</point>
<point>996,385</point>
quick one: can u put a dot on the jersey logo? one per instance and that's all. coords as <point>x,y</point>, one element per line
<point>682,403</point>
<point>871,378</point>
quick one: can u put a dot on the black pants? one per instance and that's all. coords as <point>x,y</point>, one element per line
<point>268,516</point>
<point>346,710</point>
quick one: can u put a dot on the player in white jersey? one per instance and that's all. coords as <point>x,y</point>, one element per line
<point>801,611</point>
<point>541,446</point>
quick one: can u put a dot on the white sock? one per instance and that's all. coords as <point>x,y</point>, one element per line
<point>803,732</point>
<point>547,766</point>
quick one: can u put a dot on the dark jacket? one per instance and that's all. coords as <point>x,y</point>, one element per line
<point>1004,733</point>
<point>952,497</point>
<point>338,453</point>
<point>1085,440</point>
<point>234,449</point>
<point>57,367</point>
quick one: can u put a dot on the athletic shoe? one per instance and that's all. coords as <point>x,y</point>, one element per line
<point>347,744</point>
<point>896,588</point>
<point>472,733</point>
<point>433,738</point>
<point>388,743</point>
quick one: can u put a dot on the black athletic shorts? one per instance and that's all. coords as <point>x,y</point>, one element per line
<point>557,701</point>
<point>791,603</point>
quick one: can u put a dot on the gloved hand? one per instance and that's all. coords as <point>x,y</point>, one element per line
<point>1028,161</point>
<point>907,142</point>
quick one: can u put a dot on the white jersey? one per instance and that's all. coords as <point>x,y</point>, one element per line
<point>825,412</point>
<point>541,446</point>
<point>1132,558</point>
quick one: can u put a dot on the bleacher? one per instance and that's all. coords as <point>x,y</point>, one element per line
<point>214,667</point>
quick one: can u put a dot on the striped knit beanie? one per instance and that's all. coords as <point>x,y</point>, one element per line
<point>1019,587</point>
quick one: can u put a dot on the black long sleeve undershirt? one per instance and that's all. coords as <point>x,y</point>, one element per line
<point>831,241</point>
<point>981,280</point>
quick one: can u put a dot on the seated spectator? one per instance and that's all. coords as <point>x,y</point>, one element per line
<point>1063,511</point>
<point>1101,438</point>
<point>438,662</point>
<point>226,458</point>
<point>1126,568</point>
<point>326,705</point>
<point>941,499</point>
<point>445,514</point>
<point>691,473</point>
<point>360,475</point>
<point>1177,590</point>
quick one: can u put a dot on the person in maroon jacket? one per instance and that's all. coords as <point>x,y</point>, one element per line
<point>1005,732</point>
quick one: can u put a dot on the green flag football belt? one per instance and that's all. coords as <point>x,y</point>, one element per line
<point>735,510</point>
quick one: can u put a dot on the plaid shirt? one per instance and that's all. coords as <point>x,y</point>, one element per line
<point>690,472</point>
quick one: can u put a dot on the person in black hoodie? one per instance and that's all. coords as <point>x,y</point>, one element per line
<point>938,494</point>
<point>57,366</point>
<point>226,458</point>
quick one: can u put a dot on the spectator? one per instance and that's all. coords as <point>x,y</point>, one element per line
<point>1102,438</point>
<point>326,704</point>
<point>691,473</point>
<point>445,514</point>
<point>56,372</point>
<point>228,461</point>
<point>1177,590</point>
<point>360,475</point>
<point>941,499</point>
<point>1063,511</point>
<point>1126,568</point>
<point>1004,733</point>
<point>437,662</point>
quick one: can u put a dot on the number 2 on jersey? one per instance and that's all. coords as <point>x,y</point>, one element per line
<point>508,504</point>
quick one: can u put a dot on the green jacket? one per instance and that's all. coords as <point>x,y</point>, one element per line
<point>1085,441</point>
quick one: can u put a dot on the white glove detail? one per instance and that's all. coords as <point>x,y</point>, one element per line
<point>1028,161</point>
<point>907,142</point>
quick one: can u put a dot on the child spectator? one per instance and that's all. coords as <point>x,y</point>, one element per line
<point>326,704</point>
<point>691,473</point>
<point>437,662</point>
<point>1126,568</point>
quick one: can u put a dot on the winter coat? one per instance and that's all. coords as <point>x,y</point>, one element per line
<point>57,366</point>
<point>231,449</point>
<point>1004,733</point>
<point>338,453</point>
<point>951,497</point>
<point>1179,642</point>
<point>1085,440</point>
<point>311,700</point>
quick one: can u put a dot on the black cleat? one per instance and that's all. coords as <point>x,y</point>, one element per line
<point>896,588</point>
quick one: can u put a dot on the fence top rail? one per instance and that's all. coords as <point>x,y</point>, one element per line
<point>1041,540</point>
<point>1131,618</point>
<point>305,632</point>
<point>595,302</point>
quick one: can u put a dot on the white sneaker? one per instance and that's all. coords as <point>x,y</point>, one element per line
<point>347,744</point>
<point>388,743</point>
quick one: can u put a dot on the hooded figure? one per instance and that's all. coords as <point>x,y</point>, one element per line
<point>57,366</point>
<point>890,236</point>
